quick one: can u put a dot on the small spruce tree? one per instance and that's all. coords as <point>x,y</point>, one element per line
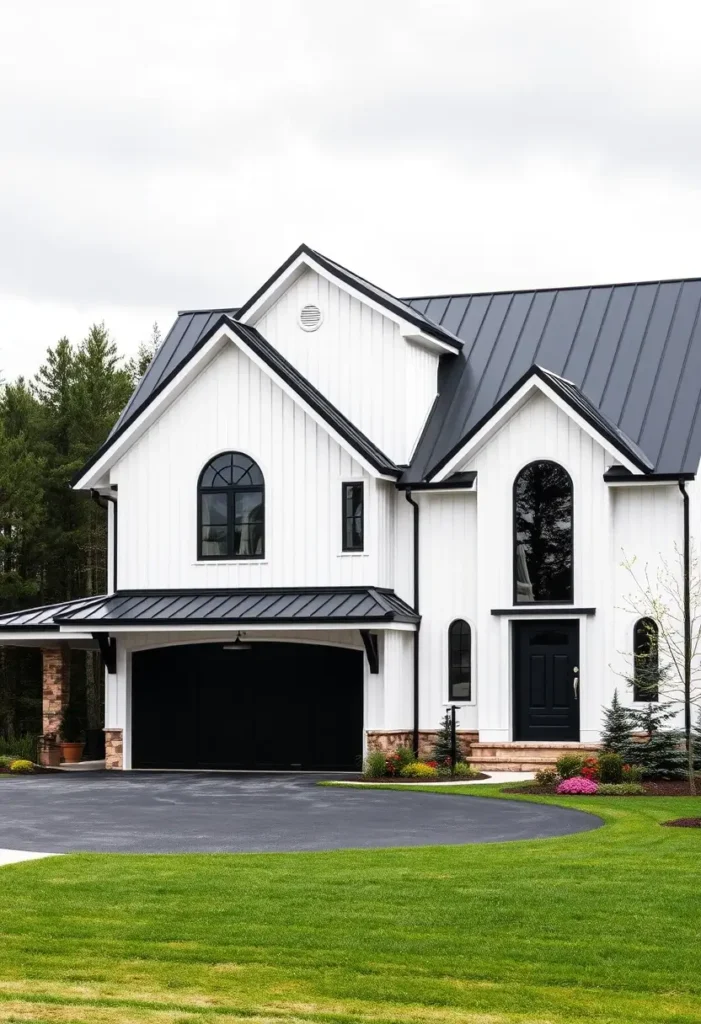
<point>661,755</point>
<point>443,745</point>
<point>618,730</point>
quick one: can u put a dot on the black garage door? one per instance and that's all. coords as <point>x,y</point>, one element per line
<point>283,706</point>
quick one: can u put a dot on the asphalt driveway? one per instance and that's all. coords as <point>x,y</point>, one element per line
<point>151,812</point>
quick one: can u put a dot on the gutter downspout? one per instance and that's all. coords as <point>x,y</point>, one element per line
<point>101,500</point>
<point>687,633</point>
<point>414,504</point>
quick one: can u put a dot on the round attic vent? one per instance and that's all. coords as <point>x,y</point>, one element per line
<point>310,318</point>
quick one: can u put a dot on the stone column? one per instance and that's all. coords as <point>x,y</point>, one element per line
<point>56,663</point>
<point>114,749</point>
<point>56,670</point>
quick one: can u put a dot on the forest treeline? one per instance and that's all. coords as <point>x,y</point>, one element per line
<point>53,540</point>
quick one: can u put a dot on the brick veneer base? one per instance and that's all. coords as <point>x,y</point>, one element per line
<point>114,749</point>
<point>379,739</point>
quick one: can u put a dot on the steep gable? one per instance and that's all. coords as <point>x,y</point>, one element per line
<point>358,358</point>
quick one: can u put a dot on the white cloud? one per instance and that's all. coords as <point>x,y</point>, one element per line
<point>161,155</point>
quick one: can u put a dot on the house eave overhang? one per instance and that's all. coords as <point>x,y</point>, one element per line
<point>536,379</point>
<point>94,474</point>
<point>412,327</point>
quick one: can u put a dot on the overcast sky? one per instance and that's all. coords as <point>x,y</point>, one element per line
<point>157,156</point>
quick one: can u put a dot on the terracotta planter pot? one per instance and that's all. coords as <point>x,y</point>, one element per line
<point>72,752</point>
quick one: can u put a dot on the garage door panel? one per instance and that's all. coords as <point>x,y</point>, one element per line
<point>275,706</point>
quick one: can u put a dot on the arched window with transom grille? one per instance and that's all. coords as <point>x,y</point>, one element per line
<point>231,508</point>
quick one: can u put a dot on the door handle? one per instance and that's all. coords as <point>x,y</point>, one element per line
<point>575,682</point>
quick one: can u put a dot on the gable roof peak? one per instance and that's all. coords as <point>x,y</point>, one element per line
<point>268,291</point>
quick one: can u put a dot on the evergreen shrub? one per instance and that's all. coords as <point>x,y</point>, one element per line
<point>569,765</point>
<point>610,767</point>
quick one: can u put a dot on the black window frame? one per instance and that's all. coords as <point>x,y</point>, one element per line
<point>646,633</point>
<point>345,518</point>
<point>453,668</point>
<point>230,491</point>
<point>549,602</point>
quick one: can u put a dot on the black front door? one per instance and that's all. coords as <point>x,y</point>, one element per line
<point>274,706</point>
<point>546,681</point>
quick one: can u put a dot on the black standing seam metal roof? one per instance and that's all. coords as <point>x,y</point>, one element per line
<point>238,607</point>
<point>42,618</point>
<point>632,351</point>
<point>292,377</point>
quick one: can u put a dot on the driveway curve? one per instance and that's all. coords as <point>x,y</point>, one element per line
<point>151,812</point>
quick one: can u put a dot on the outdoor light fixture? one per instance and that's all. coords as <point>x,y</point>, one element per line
<point>238,645</point>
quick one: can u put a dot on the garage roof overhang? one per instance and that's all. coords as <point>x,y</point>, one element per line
<point>181,610</point>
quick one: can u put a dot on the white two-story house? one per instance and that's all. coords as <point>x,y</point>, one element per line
<point>332,513</point>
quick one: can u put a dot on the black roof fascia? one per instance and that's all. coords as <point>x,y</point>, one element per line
<point>547,378</point>
<point>619,474</point>
<point>456,482</point>
<point>293,377</point>
<point>361,285</point>
<point>581,404</point>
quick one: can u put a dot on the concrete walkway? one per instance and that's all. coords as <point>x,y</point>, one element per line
<point>16,856</point>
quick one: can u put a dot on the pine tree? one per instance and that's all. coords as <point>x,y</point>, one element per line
<point>443,745</point>
<point>661,755</point>
<point>618,731</point>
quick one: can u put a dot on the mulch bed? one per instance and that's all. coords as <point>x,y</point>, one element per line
<point>663,787</point>
<point>683,823</point>
<point>39,769</point>
<point>396,779</point>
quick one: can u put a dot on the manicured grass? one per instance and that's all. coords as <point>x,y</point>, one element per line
<point>603,926</point>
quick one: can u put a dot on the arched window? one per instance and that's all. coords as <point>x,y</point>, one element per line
<point>231,508</point>
<point>646,660</point>
<point>459,661</point>
<point>543,547</point>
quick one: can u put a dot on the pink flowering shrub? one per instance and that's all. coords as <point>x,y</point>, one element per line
<point>577,786</point>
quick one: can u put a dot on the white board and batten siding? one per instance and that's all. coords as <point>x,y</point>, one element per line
<point>648,532</point>
<point>448,580</point>
<point>358,359</point>
<point>233,405</point>
<point>538,430</point>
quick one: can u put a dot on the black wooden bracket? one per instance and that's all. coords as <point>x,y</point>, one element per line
<point>372,650</point>
<point>108,650</point>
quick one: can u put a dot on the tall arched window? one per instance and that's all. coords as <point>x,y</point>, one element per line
<point>646,660</point>
<point>459,661</point>
<point>231,508</point>
<point>543,547</point>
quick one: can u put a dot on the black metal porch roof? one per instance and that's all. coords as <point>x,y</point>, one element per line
<point>238,607</point>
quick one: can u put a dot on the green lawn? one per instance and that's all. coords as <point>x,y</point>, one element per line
<point>602,926</point>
